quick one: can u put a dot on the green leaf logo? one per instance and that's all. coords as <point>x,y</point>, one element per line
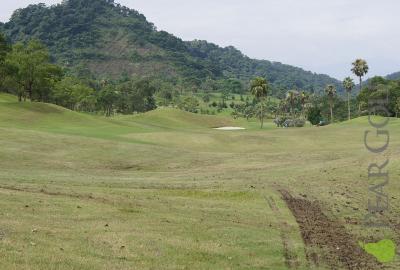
<point>384,251</point>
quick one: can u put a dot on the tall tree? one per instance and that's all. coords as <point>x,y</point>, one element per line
<point>136,96</point>
<point>360,69</point>
<point>225,95</point>
<point>107,97</point>
<point>330,91</point>
<point>304,96</point>
<point>348,84</point>
<point>32,70</point>
<point>292,97</point>
<point>73,94</point>
<point>259,89</point>
<point>4,49</point>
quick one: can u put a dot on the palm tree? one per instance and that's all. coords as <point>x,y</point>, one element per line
<point>282,108</point>
<point>360,68</point>
<point>259,89</point>
<point>304,97</point>
<point>292,96</point>
<point>330,91</point>
<point>348,84</point>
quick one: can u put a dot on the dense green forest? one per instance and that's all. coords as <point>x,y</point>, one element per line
<point>26,70</point>
<point>102,40</point>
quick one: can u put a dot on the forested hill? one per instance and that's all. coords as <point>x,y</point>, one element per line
<point>393,76</point>
<point>102,39</point>
<point>235,64</point>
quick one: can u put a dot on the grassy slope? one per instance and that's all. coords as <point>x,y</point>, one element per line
<point>164,191</point>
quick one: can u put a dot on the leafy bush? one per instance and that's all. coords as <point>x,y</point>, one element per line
<point>294,123</point>
<point>279,121</point>
<point>314,115</point>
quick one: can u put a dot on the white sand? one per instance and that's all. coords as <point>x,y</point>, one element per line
<point>229,128</point>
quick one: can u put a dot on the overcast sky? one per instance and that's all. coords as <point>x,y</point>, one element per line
<point>319,35</point>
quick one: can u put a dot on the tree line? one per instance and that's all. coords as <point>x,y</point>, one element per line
<point>298,106</point>
<point>27,71</point>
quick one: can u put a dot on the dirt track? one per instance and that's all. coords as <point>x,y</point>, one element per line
<point>339,249</point>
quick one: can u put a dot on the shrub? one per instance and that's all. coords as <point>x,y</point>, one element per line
<point>314,116</point>
<point>293,123</point>
<point>279,121</point>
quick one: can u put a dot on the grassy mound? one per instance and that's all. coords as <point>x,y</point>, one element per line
<point>52,118</point>
<point>163,190</point>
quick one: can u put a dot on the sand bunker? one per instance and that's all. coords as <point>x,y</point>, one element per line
<point>229,128</point>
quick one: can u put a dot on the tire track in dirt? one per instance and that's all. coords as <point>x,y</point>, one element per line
<point>87,197</point>
<point>291,259</point>
<point>338,248</point>
<point>50,193</point>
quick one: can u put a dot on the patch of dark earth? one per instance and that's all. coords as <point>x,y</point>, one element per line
<point>339,249</point>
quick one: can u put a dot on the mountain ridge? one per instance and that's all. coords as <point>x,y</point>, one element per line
<point>393,76</point>
<point>106,40</point>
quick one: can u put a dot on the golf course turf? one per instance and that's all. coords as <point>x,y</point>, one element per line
<point>165,190</point>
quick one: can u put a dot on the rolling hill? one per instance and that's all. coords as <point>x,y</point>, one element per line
<point>163,190</point>
<point>102,39</point>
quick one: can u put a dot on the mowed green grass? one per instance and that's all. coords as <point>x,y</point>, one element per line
<point>163,190</point>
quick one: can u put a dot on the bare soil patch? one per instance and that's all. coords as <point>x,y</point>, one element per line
<point>339,248</point>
